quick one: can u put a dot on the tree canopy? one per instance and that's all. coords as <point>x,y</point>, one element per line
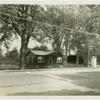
<point>69,27</point>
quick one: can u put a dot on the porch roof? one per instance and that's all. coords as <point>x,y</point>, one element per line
<point>41,53</point>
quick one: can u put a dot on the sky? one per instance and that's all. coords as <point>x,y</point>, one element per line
<point>16,43</point>
<point>48,2</point>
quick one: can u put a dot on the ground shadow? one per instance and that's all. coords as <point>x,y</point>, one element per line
<point>86,79</point>
<point>56,93</point>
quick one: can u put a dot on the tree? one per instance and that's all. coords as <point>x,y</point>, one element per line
<point>13,56</point>
<point>20,24</point>
<point>86,21</point>
<point>26,21</point>
<point>61,18</point>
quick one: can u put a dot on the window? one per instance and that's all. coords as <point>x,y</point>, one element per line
<point>40,59</point>
<point>59,59</point>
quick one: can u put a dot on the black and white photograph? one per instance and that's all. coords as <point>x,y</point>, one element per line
<point>49,50</point>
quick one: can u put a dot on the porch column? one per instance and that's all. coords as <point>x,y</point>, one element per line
<point>94,62</point>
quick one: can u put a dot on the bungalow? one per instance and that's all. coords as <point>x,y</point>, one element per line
<point>42,59</point>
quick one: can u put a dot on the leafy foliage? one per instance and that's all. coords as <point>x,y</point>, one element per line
<point>13,55</point>
<point>54,23</point>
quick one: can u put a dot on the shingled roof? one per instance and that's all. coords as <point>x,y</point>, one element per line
<point>41,53</point>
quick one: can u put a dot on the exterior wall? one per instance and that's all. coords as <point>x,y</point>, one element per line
<point>32,61</point>
<point>48,60</point>
<point>72,59</point>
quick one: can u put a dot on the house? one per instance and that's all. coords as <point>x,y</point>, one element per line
<point>73,59</point>
<point>42,59</point>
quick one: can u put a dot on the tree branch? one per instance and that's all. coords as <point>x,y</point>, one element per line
<point>15,27</point>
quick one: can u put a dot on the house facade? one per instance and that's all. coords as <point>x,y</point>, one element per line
<point>42,59</point>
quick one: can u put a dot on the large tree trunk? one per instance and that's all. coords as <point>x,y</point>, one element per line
<point>88,57</point>
<point>66,56</point>
<point>65,60</point>
<point>66,46</point>
<point>85,59</point>
<point>77,59</point>
<point>23,50</point>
